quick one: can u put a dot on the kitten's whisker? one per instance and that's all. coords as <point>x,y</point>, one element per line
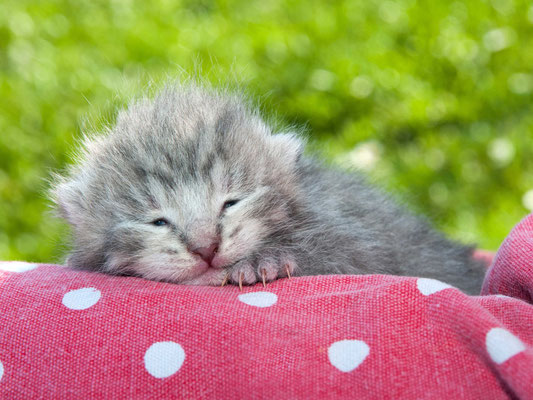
<point>288,271</point>
<point>241,275</point>
<point>225,280</point>
<point>263,274</point>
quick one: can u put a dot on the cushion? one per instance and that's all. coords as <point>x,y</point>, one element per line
<point>73,334</point>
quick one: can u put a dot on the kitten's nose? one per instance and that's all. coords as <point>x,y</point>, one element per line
<point>207,253</point>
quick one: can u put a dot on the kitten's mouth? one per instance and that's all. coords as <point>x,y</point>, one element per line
<point>180,275</point>
<point>214,273</point>
<point>200,273</point>
<point>211,277</point>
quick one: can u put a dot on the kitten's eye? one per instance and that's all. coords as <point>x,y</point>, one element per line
<point>160,222</point>
<point>230,203</point>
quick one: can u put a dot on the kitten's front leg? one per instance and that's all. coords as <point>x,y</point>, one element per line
<point>265,267</point>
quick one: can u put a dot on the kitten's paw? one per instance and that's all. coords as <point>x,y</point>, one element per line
<point>242,273</point>
<point>264,270</point>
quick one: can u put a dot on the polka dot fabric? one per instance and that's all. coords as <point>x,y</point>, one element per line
<point>71,334</point>
<point>511,273</point>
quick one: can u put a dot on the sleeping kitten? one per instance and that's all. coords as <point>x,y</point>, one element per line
<point>193,187</point>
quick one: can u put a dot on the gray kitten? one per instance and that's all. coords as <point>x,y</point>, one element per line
<point>193,187</point>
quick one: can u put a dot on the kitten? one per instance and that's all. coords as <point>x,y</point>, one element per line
<point>193,187</point>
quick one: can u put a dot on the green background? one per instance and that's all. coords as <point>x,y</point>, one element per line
<point>431,98</point>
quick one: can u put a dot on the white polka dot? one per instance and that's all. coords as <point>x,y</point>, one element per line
<point>502,345</point>
<point>259,299</point>
<point>502,296</point>
<point>163,359</point>
<point>347,355</point>
<point>17,266</point>
<point>429,286</point>
<point>1,370</point>
<point>81,299</point>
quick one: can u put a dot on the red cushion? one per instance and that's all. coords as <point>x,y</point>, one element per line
<point>70,334</point>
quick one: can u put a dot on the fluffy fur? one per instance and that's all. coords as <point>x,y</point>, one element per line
<point>194,186</point>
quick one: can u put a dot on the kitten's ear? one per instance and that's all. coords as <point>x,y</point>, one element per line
<point>287,146</point>
<point>68,200</point>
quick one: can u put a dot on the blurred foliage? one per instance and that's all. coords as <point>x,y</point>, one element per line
<point>431,98</point>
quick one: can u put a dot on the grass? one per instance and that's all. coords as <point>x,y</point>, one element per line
<point>431,99</point>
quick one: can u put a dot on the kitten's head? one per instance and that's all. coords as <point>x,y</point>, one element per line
<point>181,187</point>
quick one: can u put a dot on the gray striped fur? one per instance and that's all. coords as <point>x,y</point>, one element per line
<point>182,154</point>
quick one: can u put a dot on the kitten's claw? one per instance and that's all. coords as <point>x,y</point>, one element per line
<point>288,271</point>
<point>226,278</point>
<point>263,274</point>
<point>242,274</point>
